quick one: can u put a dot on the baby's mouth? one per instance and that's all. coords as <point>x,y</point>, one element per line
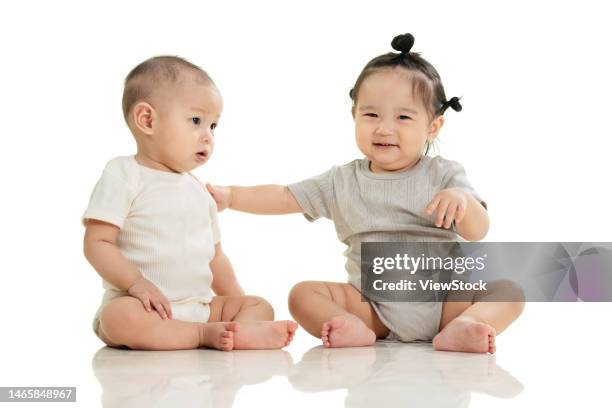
<point>385,145</point>
<point>202,155</point>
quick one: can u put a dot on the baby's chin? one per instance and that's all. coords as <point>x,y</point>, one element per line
<point>197,162</point>
<point>195,166</point>
<point>185,168</point>
<point>389,166</point>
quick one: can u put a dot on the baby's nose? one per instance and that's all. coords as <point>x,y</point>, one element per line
<point>384,130</point>
<point>207,135</point>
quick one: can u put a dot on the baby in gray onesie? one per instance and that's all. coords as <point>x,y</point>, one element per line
<point>396,193</point>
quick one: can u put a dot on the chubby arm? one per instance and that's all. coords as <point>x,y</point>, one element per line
<point>475,225</point>
<point>224,279</point>
<point>268,199</point>
<point>100,248</point>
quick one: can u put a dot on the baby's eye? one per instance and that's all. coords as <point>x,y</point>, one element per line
<point>404,117</point>
<point>213,126</point>
<point>371,115</point>
<point>196,121</point>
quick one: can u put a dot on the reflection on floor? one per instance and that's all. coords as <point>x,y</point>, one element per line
<point>386,375</point>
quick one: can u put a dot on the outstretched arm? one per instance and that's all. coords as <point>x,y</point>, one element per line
<point>268,199</point>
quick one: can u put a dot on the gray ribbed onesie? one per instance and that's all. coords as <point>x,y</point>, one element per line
<point>385,207</point>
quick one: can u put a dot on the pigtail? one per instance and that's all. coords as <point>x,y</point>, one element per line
<point>452,103</point>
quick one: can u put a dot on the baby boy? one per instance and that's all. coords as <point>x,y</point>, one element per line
<point>152,231</point>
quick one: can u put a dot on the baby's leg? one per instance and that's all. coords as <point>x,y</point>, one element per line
<point>472,326</point>
<point>125,322</point>
<point>255,330</point>
<point>335,313</point>
<point>240,309</point>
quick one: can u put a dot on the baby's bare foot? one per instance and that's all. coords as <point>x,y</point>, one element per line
<point>492,346</point>
<point>466,334</point>
<point>218,335</point>
<point>346,331</point>
<point>264,335</point>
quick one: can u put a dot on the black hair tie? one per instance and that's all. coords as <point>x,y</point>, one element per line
<point>453,103</point>
<point>403,43</point>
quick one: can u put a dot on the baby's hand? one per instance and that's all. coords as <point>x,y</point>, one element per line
<point>150,295</point>
<point>449,205</point>
<point>222,196</point>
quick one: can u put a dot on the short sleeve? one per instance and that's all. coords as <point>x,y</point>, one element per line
<point>455,176</point>
<point>214,221</point>
<point>315,195</point>
<point>111,198</point>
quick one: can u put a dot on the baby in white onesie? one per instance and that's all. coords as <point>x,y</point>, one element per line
<point>152,232</point>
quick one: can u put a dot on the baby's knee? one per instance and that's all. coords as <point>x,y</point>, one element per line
<point>508,290</point>
<point>119,319</point>
<point>299,293</point>
<point>261,303</point>
<point>298,290</point>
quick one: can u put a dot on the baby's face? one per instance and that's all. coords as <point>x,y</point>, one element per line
<point>391,124</point>
<point>187,117</point>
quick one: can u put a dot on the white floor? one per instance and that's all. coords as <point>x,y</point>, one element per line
<point>388,375</point>
<point>531,368</point>
<point>555,355</point>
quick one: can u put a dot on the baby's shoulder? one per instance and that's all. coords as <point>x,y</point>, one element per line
<point>348,168</point>
<point>438,167</point>
<point>125,169</point>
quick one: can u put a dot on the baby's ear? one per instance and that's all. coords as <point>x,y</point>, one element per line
<point>143,115</point>
<point>434,127</point>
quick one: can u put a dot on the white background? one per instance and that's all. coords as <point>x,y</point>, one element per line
<point>534,137</point>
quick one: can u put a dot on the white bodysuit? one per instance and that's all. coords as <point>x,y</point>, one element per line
<point>168,228</point>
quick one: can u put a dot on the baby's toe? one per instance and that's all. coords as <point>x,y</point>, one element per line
<point>292,326</point>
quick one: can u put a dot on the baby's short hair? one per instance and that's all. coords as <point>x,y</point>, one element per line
<point>141,82</point>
